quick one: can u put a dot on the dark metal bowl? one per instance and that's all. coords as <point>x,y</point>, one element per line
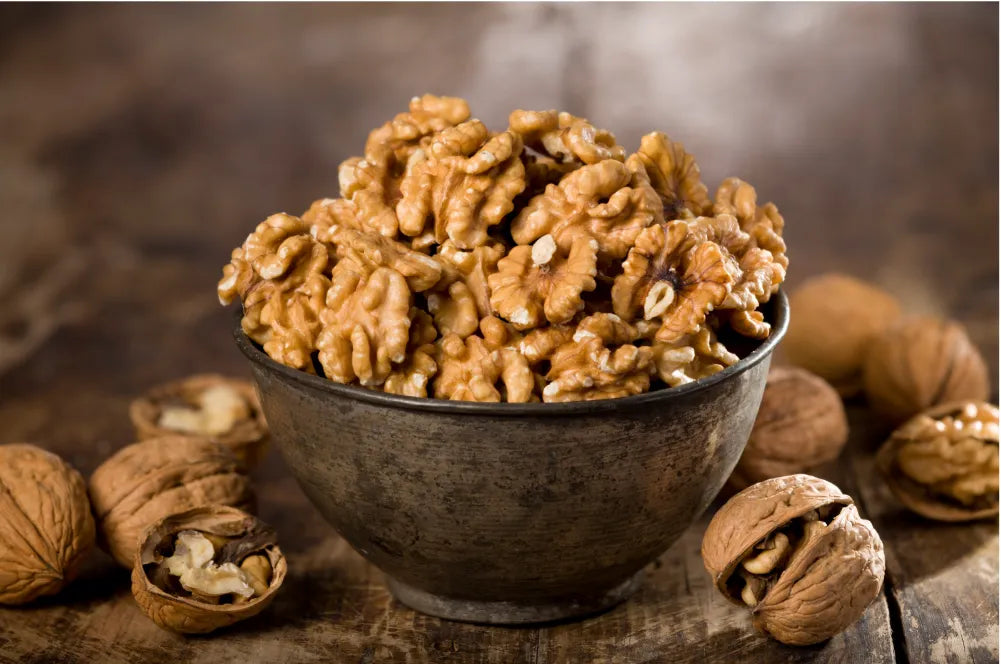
<point>512,513</point>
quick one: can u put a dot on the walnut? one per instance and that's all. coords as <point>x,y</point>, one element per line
<point>470,371</point>
<point>836,319</point>
<point>222,409</point>
<point>373,251</point>
<point>800,425</point>
<point>762,223</point>
<point>673,281</point>
<point>539,345</point>
<point>943,463</point>
<point>408,132</point>
<point>691,357</point>
<point>206,568</point>
<point>365,324</point>
<point>795,550</point>
<point>411,378</point>
<point>564,138</point>
<point>146,481</point>
<point>606,201</point>
<point>539,282</point>
<point>46,528</point>
<point>463,183</point>
<point>283,297</point>
<point>920,363</point>
<point>472,267</point>
<point>372,183</point>
<point>674,175</point>
<point>587,367</point>
<point>455,310</point>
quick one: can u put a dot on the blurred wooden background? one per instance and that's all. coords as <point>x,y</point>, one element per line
<point>140,143</point>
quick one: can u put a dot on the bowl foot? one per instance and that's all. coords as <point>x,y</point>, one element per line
<point>510,613</point>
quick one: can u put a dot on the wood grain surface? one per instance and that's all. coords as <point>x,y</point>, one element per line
<point>138,144</point>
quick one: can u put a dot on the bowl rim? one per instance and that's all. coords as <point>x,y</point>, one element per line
<point>780,307</point>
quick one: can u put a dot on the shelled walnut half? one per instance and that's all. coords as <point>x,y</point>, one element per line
<point>206,568</point>
<point>222,409</point>
<point>943,463</point>
<point>796,552</point>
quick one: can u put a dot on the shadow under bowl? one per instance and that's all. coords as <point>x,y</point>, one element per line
<point>512,513</point>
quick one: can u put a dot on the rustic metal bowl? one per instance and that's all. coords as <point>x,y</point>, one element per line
<point>512,513</point>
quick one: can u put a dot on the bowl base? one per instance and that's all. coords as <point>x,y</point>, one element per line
<point>510,613</point>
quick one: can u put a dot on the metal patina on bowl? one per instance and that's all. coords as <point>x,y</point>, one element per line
<point>513,513</point>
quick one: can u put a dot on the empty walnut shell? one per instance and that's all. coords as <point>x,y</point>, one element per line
<point>920,363</point>
<point>146,481</point>
<point>835,319</point>
<point>188,615</point>
<point>943,463</point>
<point>800,425</point>
<point>247,436</point>
<point>829,571</point>
<point>46,528</point>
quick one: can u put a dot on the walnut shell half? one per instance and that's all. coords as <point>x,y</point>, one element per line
<point>943,463</point>
<point>801,424</point>
<point>795,550</point>
<point>46,528</point>
<point>226,410</point>
<point>146,481</point>
<point>242,537</point>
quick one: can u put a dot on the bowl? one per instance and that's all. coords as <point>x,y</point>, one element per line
<point>512,513</point>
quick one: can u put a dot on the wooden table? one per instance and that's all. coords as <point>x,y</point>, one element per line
<point>139,144</point>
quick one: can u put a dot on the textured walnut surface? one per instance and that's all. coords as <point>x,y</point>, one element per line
<point>943,463</point>
<point>539,226</point>
<point>46,527</point>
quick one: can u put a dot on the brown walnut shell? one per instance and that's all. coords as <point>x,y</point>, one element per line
<point>920,363</point>
<point>146,481</point>
<point>831,575</point>
<point>800,425</point>
<point>951,452</point>
<point>46,528</point>
<point>248,438</point>
<point>835,318</point>
<point>188,615</point>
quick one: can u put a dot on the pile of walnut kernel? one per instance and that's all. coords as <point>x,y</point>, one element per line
<point>537,263</point>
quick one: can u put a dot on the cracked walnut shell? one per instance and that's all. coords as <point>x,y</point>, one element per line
<point>800,425</point>
<point>226,410</point>
<point>920,363</point>
<point>836,320</point>
<point>146,481</point>
<point>206,568</point>
<point>943,463</point>
<point>46,528</point>
<point>796,552</point>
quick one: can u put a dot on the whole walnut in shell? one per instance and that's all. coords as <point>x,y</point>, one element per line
<point>206,568</point>
<point>222,409</point>
<point>943,463</point>
<point>146,481</point>
<point>801,424</point>
<point>920,363</point>
<point>834,320</point>
<point>796,552</point>
<point>46,528</point>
